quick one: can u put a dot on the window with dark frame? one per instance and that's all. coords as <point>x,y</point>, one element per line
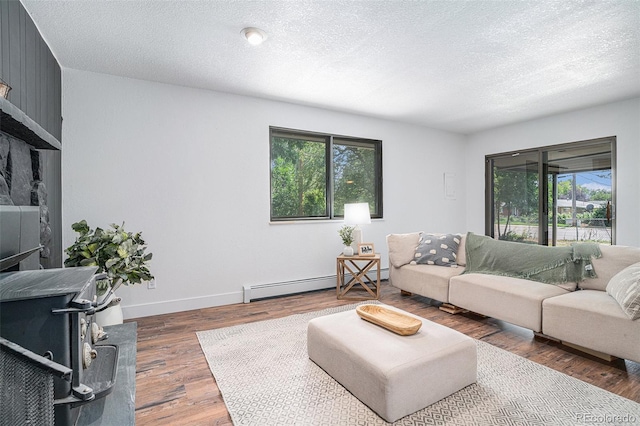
<point>313,174</point>
<point>553,195</point>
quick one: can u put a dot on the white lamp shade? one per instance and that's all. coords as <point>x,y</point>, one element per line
<point>356,214</point>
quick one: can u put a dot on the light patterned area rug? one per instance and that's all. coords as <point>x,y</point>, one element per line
<point>266,378</point>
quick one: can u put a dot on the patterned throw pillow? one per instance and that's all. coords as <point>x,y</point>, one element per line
<point>436,249</point>
<point>625,288</point>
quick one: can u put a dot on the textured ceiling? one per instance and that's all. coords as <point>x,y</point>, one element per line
<point>461,66</point>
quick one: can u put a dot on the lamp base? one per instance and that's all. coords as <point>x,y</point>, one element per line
<point>357,238</point>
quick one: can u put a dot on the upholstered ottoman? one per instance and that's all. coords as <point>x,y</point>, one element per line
<point>394,375</point>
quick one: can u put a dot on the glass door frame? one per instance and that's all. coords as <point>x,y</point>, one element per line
<point>543,171</point>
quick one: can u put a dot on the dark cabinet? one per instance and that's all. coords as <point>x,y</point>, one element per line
<point>29,67</point>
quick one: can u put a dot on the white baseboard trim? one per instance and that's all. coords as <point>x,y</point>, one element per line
<point>260,291</point>
<point>248,293</point>
<point>180,305</point>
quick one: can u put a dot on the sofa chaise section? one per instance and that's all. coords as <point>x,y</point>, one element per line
<point>592,319</point>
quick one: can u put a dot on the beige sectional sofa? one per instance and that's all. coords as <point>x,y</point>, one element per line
<point>586,317</point>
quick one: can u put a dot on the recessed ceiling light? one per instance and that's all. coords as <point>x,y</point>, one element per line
<point>254,36</point>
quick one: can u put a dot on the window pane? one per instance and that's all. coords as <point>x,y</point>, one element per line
<point>298,177</point>
<point>582,178</point>
<point>515,198</point>
<point>354,175</point>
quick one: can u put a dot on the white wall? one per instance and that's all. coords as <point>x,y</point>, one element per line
<point>620,119</point>
<point>190,169</point>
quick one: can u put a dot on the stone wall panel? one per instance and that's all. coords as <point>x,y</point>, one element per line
<point>5,197</point>
<point>39,198</point>
<point>19,174</point>
<point>4,152</point>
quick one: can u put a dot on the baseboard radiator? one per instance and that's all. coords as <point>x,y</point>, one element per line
<point>261,291</point>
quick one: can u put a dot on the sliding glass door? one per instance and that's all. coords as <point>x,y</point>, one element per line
<point>553,195</point>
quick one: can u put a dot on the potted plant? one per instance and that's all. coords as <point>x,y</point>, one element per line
<point>346,234</point>
<point>117,253</point>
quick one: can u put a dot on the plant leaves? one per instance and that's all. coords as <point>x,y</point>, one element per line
<point>110,263</point>
<point>88,262</point>
<point>119,253</point>
<point>81,227</point>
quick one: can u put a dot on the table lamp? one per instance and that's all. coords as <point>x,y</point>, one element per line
<point>357,214</point>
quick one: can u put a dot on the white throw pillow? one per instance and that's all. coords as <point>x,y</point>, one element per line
<point>624,287</point>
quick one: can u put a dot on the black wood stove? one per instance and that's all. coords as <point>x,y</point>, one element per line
<point>49,313</point>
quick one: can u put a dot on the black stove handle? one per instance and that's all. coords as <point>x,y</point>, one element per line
<point>100,276</point>
<point>87,306</point>
<point>76,306</point>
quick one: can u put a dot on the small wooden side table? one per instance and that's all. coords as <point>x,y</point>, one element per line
<point>359,267</point>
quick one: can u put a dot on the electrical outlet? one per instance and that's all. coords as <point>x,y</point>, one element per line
<point>151,285</point>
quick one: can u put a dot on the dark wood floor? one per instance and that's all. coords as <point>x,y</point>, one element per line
<point>174,385</point>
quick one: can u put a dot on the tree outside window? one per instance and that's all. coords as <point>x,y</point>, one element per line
<point>314,175</point>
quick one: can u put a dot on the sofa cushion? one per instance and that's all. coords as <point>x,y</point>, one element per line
<point>592,319</point>
<point>614,259</point>
<point>436,249</point>
<point>624,287</point>
<point>402,248</point>
<point>426,280</point>
<point>510,299</point>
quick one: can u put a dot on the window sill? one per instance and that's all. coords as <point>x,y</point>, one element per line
<point>315,221</point>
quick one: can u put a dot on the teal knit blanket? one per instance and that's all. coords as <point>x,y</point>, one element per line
<point>550,265</point>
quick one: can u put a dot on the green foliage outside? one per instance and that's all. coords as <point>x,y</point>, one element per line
<point>516,202</point>
<point>596,218</point>
<point>354,176</point>
<point>299,177</point>
<point>582,193</point>
<point>524,237</point>
<point>513,192</point>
